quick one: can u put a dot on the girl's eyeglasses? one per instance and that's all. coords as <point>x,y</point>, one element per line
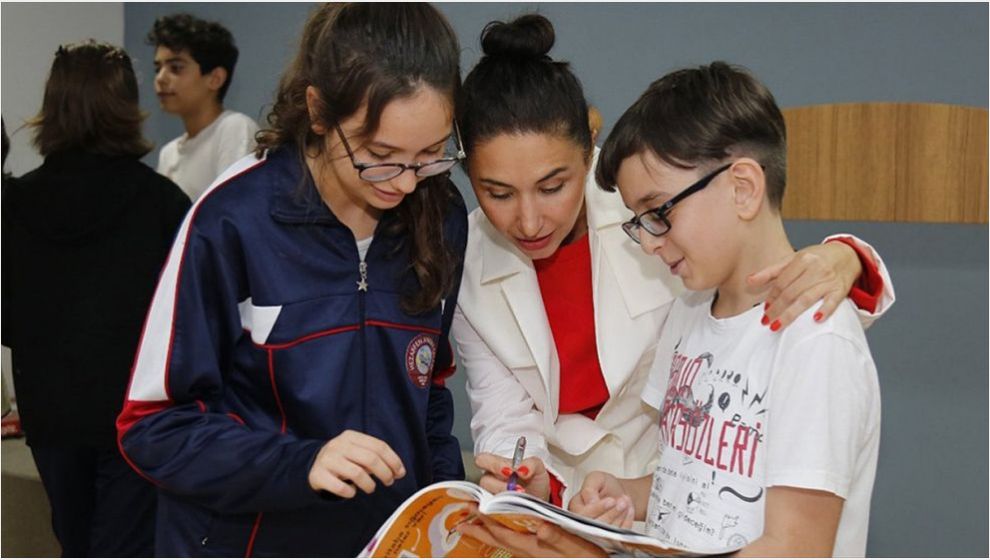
<point>378,172</point>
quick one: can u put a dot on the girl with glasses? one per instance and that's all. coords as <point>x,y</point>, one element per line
<point>559,312</point>
<point>288,391</point>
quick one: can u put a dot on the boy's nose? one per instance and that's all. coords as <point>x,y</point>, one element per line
<point>162,75</point>
<point>650,243</point>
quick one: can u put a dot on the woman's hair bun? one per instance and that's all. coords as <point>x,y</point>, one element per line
<point>528,36</point>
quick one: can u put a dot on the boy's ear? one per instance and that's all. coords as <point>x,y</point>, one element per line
<point>216,78</point>
<point>749,185</point>
<point>314,104</point>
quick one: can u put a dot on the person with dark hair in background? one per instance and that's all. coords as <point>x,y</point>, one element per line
<point>84,239</point>
<point>559,313</point>
<point>288,393</point>
<point>194,64</point>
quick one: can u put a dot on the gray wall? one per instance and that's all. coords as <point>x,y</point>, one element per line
<point>931,349</point>
<point>30,37</point>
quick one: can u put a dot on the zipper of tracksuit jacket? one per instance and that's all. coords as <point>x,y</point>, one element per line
<point>362,286</point>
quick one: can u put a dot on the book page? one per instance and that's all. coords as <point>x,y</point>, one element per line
<point>423,526</point>
<point>524,513</point>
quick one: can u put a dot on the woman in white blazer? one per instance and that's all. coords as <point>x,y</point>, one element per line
<point>524,125</point>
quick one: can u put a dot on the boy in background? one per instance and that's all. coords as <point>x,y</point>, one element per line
<point>194,63</point>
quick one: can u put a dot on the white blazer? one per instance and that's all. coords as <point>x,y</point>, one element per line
<point>505,345</point>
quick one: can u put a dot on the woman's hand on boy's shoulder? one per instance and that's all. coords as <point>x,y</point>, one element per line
<point>824,272</point>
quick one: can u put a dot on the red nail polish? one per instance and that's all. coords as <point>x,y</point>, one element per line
<point>524,471</point>
<point>766,305</point>
<point>506,471</point>
<point>775,326</point>
<point>765,320</point>
<point>818,316</point>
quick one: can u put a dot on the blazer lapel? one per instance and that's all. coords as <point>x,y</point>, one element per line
<point>627,286</point>
<point>514,272</point>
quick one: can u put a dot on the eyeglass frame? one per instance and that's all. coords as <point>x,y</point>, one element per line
<point>633,226</point>
<point>403,167</point>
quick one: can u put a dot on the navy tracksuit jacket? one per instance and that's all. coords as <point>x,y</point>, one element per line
<point>259,347</point>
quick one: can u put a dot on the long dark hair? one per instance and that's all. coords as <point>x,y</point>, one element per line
<point>518,88</point>
<point>91,103</point>
<point>375,53</point>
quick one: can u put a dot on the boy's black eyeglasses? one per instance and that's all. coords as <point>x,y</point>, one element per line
<point>655,221</point>
<point>378,172</point>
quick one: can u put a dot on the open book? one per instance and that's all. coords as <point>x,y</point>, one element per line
<point>423,526</point>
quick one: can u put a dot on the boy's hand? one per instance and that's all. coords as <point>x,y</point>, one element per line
<point>603,497</point>
<point>824,272</point>
<point>353,457</point>
<point>532,475</point>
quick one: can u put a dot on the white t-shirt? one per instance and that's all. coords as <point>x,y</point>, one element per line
<point>744,409</point>
<point>193,163</point>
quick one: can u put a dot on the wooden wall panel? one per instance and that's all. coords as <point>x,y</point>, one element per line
<point>904,162</point>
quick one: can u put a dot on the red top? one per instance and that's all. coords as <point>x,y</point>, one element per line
<point>565,283</point>
<point>868,290</point>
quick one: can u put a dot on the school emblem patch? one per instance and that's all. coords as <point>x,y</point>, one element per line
<point>419,359</point>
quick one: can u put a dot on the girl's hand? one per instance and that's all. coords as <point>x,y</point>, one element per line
<point>532,475</point>
<point>549,541</point>
<point>820,272</point>
<point>353,457</point>
<point>602,497</point>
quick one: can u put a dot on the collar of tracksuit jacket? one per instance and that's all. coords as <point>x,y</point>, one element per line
<point>296,199</point>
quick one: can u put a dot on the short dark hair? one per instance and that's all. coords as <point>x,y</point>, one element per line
<point>209,43</point>
<point>698,116</point>
<point>516,87</point>
<point>90,103</point>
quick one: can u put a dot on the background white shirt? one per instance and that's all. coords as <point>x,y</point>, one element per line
<point>194,163</point>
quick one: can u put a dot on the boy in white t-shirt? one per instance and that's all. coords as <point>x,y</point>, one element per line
<point>768,438</point>
<point>194,63</point>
